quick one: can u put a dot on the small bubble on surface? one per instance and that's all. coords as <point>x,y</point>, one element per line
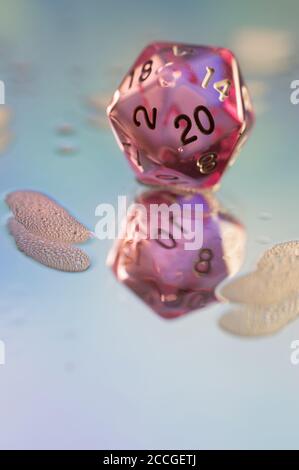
<point>265,215</point>
<point>263,240</point>
<point>67,149</point>
<point>65,128</point>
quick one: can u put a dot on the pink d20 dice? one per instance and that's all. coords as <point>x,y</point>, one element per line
<point>169,278</point>
<point>181,113</point>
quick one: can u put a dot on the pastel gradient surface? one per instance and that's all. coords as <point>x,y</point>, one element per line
<point>88,363</point>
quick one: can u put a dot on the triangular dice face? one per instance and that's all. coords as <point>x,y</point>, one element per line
<point>180,114</point>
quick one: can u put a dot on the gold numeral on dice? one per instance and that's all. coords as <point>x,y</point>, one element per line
<point>222,87</point>
<point>208,76</point>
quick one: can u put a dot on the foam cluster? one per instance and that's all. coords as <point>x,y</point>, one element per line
<point>45,231</point>
<point>44,217</point>
<point>54,254</point>
<point>268,297</point>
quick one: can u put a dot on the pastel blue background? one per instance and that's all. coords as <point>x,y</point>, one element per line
<point>88,365</point>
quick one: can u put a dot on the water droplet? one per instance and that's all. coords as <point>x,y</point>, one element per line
<point>263,240</point>
<point>265,215</point>
<point>67,149</point>
<point>65,129</point>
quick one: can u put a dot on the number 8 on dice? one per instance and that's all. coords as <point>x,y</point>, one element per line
<point>181,114</point>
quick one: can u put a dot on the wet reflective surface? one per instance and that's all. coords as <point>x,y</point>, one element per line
<point>88,363</point>
<point>171,279</point>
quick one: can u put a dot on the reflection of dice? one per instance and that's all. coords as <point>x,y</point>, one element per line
<point>181,113</point>
<point>169,278</point>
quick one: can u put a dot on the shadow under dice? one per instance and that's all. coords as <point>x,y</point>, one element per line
<point>171,279</point>
<point>180,114</point>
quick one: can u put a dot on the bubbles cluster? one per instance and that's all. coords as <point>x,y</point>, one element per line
<point>45,231</point>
